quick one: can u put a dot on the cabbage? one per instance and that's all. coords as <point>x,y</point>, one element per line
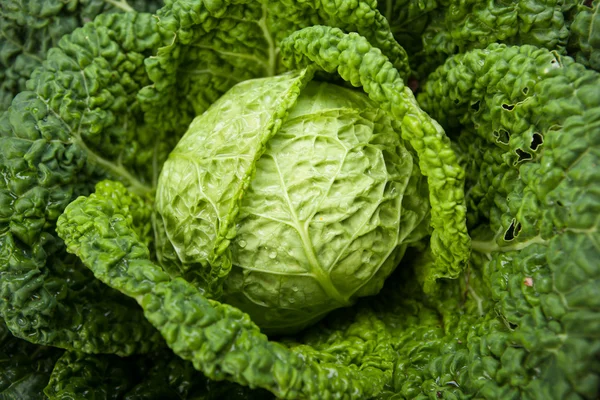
<point>130,250</point>
<point>305,209</point>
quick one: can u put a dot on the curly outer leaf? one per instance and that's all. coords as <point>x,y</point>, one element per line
<point>219,44</point>
<point>460,25</point>
<point>512,97</point>
<point>77,123</point>
<point>542,325</point>
<point>363,65</point>
<point>220,340</point>
<point>29,29</point>
<point>531,128</point>
<point>535,22</point>
<point>89,376</point>
<point>361,17</point>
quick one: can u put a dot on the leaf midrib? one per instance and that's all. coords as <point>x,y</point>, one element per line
<point>315,267</point>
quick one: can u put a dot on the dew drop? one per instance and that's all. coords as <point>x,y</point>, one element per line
<point>292,300</point>
<point>295,289</point>
<point>242,244</point>
<point>272,255</point>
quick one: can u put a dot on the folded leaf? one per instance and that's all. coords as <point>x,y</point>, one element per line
<point>363,65</point>
<point>204,180</point>
<point>449,27</point>
<point>221,341</point>
<point>77,124</point>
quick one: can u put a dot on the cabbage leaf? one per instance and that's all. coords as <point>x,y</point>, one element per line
<point>29,29</point>
<point>74,127</point>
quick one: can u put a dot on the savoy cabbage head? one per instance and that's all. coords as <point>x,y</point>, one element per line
<point>303,195</point>
<point>176,187</point>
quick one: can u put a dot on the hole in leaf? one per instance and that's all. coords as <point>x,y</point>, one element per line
<point>523,155</point>
<point>536,141</point>
<point>513,231</point>
<point>513,326</point>
<point>508,107</point>
<point>475,106</point>
<point>456,101</point>
<point>559,203</point>
<point>525,90</point>
<point>502,136</point>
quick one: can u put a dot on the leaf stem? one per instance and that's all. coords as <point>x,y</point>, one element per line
<point>270,42</point>
<point>133,184</point>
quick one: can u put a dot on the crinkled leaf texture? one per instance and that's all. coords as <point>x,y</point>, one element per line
<point>472,24</point>
<point>408,20</point>
<point>24,368</point>
<point>204,179</point>
<point>531,146</point>
<point>444,28</point>
<point>29,29</point>
<point>363,65</point>
<point>220,340</point>
<point>157,376</point>
<point>522,322</point>
<point>219,44</point>
<point>78,123</point>
<point>585,35</point>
